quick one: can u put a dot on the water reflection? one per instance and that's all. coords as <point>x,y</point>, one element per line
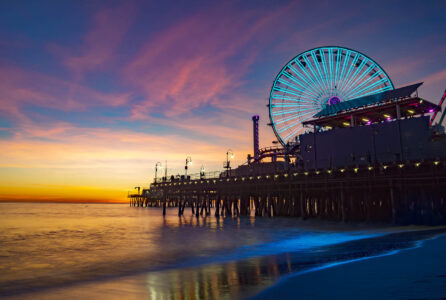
<point>217,281</point>
<point>49,247</point>
<point>245,278</point>
<point>210,222</point>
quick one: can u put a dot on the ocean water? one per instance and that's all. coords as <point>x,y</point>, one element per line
<point>114,251</point>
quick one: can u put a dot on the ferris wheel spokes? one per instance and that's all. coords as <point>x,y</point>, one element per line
<point>319,77</point>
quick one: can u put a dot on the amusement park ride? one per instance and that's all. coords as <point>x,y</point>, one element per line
<point>331,106</point>
<point>351,148</point>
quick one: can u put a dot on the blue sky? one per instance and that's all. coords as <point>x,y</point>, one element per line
<point>111,87</point>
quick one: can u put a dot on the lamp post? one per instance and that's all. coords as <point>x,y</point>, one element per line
<point>230,154</point>
<point>157,166</point>
<point>137,188</point>
<point>188,162</point>
<point>202,172</point>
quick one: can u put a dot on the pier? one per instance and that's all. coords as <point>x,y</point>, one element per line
<point>361,151</point>
<point>404,193</point>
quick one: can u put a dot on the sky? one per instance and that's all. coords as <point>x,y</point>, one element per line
<point>94,93</point>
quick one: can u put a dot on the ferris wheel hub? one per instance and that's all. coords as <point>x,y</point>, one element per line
<point>334,100</point>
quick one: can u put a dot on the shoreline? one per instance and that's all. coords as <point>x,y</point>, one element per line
<point>416,272</point>
<point>272,284</point>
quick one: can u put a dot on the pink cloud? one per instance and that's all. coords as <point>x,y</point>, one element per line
<point>197,60</point>
<point>437,77</point>
<point>19,87</point>
<point>178,69</point>
<point>62,145</point>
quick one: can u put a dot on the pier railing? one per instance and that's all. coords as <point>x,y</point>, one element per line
<point>195,176</point>
<point>401,193</point>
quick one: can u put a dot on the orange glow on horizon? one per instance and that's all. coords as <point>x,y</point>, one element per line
<point>54,193</point>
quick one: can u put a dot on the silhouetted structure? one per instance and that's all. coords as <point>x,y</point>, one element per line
<point>255,122</point>
<point>374,158</point>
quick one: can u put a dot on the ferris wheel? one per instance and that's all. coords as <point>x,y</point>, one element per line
<point>316,78</point>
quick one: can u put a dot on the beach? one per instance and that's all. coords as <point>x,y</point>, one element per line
<point>76,251</point>
<point>415,273</point>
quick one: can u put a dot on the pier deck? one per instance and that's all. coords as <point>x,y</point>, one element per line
<point>400,193</point>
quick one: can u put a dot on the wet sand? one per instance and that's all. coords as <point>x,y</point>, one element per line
<point>417,273</point>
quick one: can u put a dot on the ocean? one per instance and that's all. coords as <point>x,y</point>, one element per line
<point>53,251</point>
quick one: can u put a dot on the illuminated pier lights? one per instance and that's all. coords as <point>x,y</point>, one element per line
<point>404,193</point>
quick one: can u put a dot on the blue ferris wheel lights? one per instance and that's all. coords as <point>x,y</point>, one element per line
<point>319,77</point>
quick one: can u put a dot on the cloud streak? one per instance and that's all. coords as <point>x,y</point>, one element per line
<point>19,88</point>
<point>198,60</point>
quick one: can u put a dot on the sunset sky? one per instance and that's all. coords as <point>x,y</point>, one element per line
<point>94,93</point>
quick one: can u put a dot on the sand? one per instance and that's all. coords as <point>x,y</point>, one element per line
<point>417,273</point>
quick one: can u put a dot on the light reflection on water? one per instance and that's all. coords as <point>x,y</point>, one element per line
<point>62,250</point>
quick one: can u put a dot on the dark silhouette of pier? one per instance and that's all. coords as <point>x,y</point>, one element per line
<point>402,193</point>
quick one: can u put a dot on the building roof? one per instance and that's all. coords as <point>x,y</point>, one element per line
<point>396,94</point>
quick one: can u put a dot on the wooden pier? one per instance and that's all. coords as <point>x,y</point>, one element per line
<point>399,193</point>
